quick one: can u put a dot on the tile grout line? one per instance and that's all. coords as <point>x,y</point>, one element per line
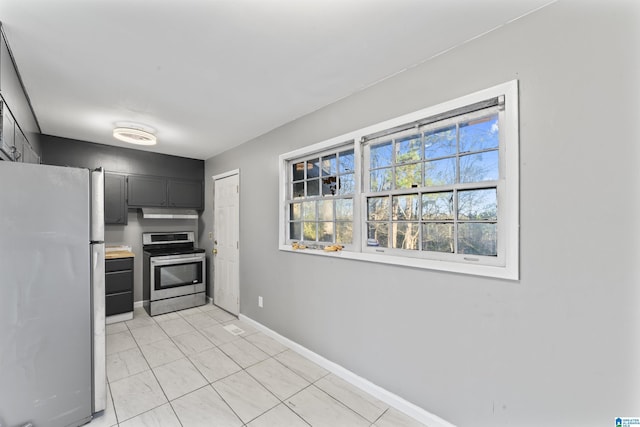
<point>154,375</point>
<point>115,413</point>
<point>157,323</point>
<point>138,345</point>
<point>337,400</point>
<point>244,369</point>
<point>244,336</point>
<point>236,414</point>
<point>209,384</point>
<point>386,407</point>
<point>281,401</point>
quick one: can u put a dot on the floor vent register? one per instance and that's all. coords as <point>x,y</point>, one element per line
<point>233,329</point>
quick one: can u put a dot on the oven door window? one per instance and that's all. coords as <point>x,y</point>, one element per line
<point>170,276</point>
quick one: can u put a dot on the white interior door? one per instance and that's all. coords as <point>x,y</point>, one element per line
<point>226,229</point>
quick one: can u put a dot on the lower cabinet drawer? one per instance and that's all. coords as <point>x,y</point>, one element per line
<point>118,264</point>
<point>118,281</point>
<point>119,303</point>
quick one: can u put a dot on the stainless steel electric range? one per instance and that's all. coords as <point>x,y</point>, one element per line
<point>174,272</point>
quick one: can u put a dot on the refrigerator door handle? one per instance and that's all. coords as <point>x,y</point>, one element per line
<point>99,328</point>
<point>97,205</point>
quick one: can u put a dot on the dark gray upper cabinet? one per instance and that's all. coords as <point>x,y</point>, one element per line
<point>14,97</point>
<point>115,198</point>
<point>19,144</point>
<point>7,135</point>
<point>162,192</point>
<point>147,191</point>
<point>184,193</point>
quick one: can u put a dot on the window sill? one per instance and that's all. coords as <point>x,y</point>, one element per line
<point>447,266</point>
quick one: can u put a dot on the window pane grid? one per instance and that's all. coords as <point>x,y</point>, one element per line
<point>465,151</point>
<point>456,221</point>
<point>320,203</point>
<point>327,175</point>
<point>452,170</point>
<point>321,215</point>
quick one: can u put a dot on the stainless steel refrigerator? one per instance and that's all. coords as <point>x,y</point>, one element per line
<point>52,312</point>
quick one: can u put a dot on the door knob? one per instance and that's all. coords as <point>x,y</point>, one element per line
<point>215,252</point>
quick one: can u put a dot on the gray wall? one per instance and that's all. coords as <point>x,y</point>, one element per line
<point>71,152</point>
<point>560,347</point>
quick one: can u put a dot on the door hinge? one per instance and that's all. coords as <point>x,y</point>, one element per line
<point>237,188</point>
<point>237,245</point>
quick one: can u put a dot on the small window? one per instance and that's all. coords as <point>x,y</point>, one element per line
<point>320,200</point>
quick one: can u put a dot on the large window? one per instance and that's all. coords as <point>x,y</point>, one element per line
<point>435,189</point>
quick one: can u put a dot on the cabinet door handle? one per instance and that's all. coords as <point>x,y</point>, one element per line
<point>15,153</point>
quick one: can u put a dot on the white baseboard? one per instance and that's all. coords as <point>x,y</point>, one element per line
<point>378,392</point>
<point>118,318</point>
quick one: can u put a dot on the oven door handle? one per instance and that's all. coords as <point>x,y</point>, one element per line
<point>176,261</point>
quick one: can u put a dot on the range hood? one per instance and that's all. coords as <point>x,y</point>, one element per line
<point>166,213</point>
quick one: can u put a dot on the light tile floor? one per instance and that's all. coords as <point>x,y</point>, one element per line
<point>185,369</point>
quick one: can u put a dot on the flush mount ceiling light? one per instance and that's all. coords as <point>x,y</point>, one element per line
<point>134,136</point>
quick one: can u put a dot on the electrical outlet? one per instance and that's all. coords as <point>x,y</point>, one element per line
<point>260,302</point>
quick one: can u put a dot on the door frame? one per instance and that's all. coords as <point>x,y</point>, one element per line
<point>215,178</point>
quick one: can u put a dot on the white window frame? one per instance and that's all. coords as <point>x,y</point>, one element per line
<point>505,266</point>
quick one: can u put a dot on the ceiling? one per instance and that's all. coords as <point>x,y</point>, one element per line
<point>207,75</point>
